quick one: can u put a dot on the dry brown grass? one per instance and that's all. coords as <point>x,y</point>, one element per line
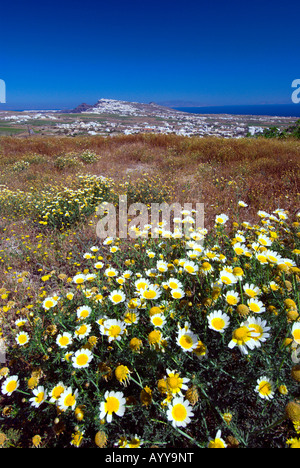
<point>264,173</point>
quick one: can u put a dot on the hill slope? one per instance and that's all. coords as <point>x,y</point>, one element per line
<point>114,106</point>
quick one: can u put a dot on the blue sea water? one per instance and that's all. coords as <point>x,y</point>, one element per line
<point>278,110</point>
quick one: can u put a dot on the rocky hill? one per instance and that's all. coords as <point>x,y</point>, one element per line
<point>81,108</point>
<point>114,106</point>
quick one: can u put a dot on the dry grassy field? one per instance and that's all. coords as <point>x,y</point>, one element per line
<point>50,188</point>
<point>212,170</point>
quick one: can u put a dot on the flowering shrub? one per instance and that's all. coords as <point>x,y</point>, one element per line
<point>64,161</point>
<point>69,206</point>
<point>20,166</point>
<point>147,190</point>
<point>59,207</point>
<point>181,341</point>
<point>73,159</point>
<point>88,156</point>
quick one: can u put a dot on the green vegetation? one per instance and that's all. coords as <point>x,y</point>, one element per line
<point>293,131</point>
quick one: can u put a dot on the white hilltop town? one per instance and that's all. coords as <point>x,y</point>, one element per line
<point>112,117</point>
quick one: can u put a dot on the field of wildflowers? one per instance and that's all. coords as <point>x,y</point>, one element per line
<point>186,338</point>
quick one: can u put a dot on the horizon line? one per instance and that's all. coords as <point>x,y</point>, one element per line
<point>160,103</point>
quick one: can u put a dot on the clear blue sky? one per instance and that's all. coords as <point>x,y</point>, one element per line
<point>57,54</point>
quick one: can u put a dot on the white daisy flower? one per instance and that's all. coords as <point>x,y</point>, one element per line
<point>83,312</point>
<point>265,388</point>
<point>261,328</point>
<point>243,338</point>
<point>63,340</point>
<point>49,302</point>
<point>82,358</point>
<point>218,321</point>
<point>256,306</point>
<point>22,338</point>
<point>113,328</point>
<point>114,404</point>
<point>79,279</point>
<point>10,385</point>
<point>56,392</point>
<point>67,399</point>
<point>190,267</point>
<point>40,396</point>
<point>177,293</point>
<point>179,412</point>
<point>186,339</point>
<point>221,219</point>
<point>158,320</point>
<point>82,331</point>
<point>117,296</point>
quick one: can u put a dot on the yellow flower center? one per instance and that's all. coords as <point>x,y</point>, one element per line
<point>179,412</point>
<point>189,268</point>
<point>272,258</point>
<point>218,323</point>
<point>241,335</point>
<point>231,300</point>
<point>149,294</point>
<point>82,359</point>
<point>135,344</point>
<point>22,339</point>
<point>262,258</point>
<point>226,280</point>
<point>121,373</point>
<point>264,388</point>
<point>206,266</point>
<point>174,383</point>
<point>112,404</point>
<point>114,330</point>
<point>11,386</point>
<point>254,307</point>
<point>186,341</point>
<point>81,330</point>
<point>154,311</point>
<point>250,292</point>
<point>39,398</point>
<point>69,400</point>
<point>84,313</point>
<point>79,280</point>
<point>157,320</point>
<point>217,443</point>
<point>177,295</point>
<point>296,335</point>
<point>57,391</point>
<point>117,297</point>
<point>64,340</point>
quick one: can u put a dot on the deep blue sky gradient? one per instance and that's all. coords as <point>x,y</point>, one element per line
<point>57,54</point>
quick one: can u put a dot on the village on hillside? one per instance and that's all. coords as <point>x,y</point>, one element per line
<point>112,117</point>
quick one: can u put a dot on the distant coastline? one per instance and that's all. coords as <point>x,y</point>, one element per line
<point>273,110</point>
<point>276,110</point>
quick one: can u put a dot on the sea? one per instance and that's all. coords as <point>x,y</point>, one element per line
<point>275,110</point>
